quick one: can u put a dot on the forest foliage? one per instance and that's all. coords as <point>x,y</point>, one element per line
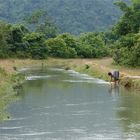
<point>18,42</point>
<point>39,37</point>
<point>127,46</point>
<point>73,16</point>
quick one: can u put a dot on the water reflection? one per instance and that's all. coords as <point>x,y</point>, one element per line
<point>128,111</point>
<point>114,90</point>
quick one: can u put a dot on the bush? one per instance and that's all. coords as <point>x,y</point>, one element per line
<point>36,47</point>
<point>58,48</point>
<point>127,51</point>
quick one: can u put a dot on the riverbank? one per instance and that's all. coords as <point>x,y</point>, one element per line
<point>7,93</point>
<point>130,77</point>
<point>95,67</point>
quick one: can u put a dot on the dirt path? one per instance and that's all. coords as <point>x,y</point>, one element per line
<point>134,77</point>
<point>106,65</point>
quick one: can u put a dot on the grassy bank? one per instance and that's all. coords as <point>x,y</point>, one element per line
<point>7,92</point>
<point>9,82</point>
<point>94,67</point>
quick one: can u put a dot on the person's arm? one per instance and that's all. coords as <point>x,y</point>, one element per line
<point>111,79</point>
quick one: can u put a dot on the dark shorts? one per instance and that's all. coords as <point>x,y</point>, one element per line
<point>116,79</point>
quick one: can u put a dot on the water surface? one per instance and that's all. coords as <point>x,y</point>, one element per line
<point>64,105</point>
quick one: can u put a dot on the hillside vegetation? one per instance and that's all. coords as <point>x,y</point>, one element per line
<point>74,16</point>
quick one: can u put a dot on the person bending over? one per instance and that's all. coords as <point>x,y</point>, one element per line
<point>114,76</point>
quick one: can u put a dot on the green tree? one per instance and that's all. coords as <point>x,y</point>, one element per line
<point>39,21</point>
<point>129,22</point>
<point>58,48</point>
<point>70,40</point>
<point>96,43</point>
<point>36,47</point>
<point>126,51</point>
<point>4,35</point>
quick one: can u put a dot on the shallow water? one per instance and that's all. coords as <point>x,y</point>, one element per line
<point>65,105</point>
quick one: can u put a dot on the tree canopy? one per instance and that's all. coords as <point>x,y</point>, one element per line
<point>127,47</point>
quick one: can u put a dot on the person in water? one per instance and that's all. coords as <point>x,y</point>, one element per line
<point>114,76</point>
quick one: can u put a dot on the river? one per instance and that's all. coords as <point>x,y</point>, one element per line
<point>65,105</point>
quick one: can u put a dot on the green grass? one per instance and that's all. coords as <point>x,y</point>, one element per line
<point>7,92</point>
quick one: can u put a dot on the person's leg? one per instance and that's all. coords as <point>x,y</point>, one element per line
<point>115,81</point>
